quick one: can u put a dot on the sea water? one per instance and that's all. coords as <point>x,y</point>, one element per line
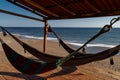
<point>74,36</point>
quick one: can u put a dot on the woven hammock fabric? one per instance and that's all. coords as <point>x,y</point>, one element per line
<point>98,56</point>
<point>26,65</point>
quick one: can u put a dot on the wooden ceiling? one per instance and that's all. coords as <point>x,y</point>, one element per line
<point>69,9</point>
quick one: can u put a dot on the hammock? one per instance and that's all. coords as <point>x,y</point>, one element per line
<point>96,57</point>
<point>75,61</point>
<point>65,46</point>
<point>38,54</point>
<point>25,65</point>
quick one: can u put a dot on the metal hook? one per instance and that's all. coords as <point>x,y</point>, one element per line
<point>114,20</point>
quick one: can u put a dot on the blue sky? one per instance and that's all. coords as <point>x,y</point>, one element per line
<point>13,21</point>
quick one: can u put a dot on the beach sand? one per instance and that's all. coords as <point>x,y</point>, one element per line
<point>99,70</point>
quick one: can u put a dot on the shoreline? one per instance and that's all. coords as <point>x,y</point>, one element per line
<point>91,48</point>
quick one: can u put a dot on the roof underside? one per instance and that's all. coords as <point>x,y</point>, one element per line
<point>69,9</point>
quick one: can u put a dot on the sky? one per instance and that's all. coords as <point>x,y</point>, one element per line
<point>13,21</point>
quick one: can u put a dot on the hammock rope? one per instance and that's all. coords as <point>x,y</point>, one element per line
<point>112,22</point>
<point>105,29</point>
<point>4,33</point>
<point>19,41</point>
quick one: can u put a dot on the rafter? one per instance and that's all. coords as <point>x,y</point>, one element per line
<point>91,6</point>
<point>61,6</point>
<point>24,7</point>
<point>91,14</point>
<point>20,15</point>
<point>41,7</point>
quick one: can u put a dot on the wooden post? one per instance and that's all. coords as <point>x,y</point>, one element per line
<point>45,36</point>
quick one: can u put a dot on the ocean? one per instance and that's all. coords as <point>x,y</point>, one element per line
<point>74,36</point>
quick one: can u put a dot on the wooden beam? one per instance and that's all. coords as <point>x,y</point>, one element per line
<point>20,15</point>
<point>91,6</point>
<point>41,7</point>
<point>26,8</point>
<point>61,6</point>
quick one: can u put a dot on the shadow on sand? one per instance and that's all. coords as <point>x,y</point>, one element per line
<point>22,76</point>
<point>65,70</point>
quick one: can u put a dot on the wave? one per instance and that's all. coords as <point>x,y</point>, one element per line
<point>75,44</point>
<point>34,37</point>
<point>93,48</point>
<point>93,45</point>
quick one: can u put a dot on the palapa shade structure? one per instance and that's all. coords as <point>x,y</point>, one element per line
<point>69,9</point>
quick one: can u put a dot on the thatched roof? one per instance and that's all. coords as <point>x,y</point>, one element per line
<point>69,9</point>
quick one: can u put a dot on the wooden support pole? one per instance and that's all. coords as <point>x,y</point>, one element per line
<point>45,36</point>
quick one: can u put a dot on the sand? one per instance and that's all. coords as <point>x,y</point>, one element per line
<point>100,70</point>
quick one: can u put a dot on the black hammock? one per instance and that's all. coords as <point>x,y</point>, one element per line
<point>65,46</point>
<point>26,65</point>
